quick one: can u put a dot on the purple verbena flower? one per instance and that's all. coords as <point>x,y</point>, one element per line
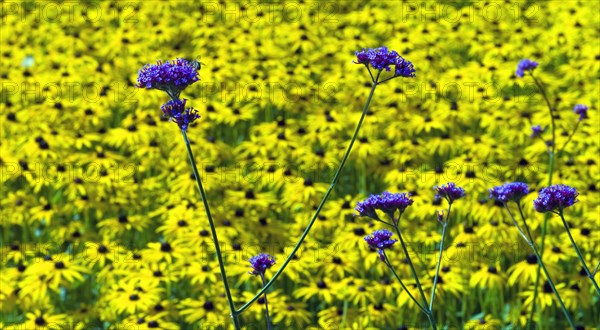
<point>367,207</point>
<point>440,216</point>
<point>171,76</point>
<point>178,113</point>
<point>581,110</point>
<point>555,198</point>
<point>387,202</point>
<point>260,263</point>
<point>536,130</point>
<point>449,191</point>
<point>512,191</point>
<point>380,240</point>
<point>381,58</point>
<point>525,65</point>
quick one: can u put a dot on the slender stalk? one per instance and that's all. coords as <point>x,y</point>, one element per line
<point>569,138</point>
<point>529,240</point>
<point>543,91</point>
<point>387,262</point>
<point>439,263</point>
<point>596,269</point>
<point>318,210</point>
<point>541,264</point>
<point>428,311</point>
<point>213,230</point>
<point>579,255</point>
<point>551,154</point>
<point>523,218</point>
<point>344,313</point>
<point>262,277</point>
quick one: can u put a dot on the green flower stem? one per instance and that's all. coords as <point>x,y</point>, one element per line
<point>569,138</point>
<point>585,267</point>
<point>344,313</point>
<point>414,273</point>
<point>553,127</point>
<point>541,264</point>
<point>387,262</point>
<point>596,269</point>
<point>213,230</point>
<point>318,210</point>
<point>262,277</point>
<point>439,263</point>
<point>550,174</point>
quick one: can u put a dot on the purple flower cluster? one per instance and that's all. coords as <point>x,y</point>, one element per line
<point>387,202</point>
<point>380,240</point>
<point>177,112</point>
<point>525,65</point>
<point>449,191</point>
<point>170,76</point>
<point>381,58</point>
<point>260,263</point>
<point>536,130</point>
<point>512,191</point>
<point>581,110</point>
<point>556,197</point>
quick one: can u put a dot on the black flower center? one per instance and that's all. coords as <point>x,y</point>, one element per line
<point>166,247</point>
<point>40,321</point>
<point>208,306</point>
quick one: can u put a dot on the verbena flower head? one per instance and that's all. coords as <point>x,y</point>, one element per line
<point>382,58</point>
<point>380,240</point>
<point>171,76</point>
<point>581,110</point>
<point>178,113</point>
<point>525,65</point>
<point>512,191</point>
<point>555,198</point>
<point>536,130</point>
<point>449,191</point>
<point>260,263</point>
<point>387,202</point>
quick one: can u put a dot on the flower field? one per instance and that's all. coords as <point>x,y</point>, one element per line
<point>103,226</point>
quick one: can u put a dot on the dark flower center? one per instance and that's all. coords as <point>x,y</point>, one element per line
<point>359,232</point>
<point>134,297</point>
<point>59,265</point>
<point>40,321</point>
<point>166,247</point>
<point>531,259</point>
<point>208,306</point>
